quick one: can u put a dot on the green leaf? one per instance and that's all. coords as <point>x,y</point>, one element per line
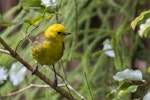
<point>148,70</point>
<point>139,18</point>
<point>117,60</point>
<point>123,89</point>
<point>31,3</point>
<point>126,90</point>
<point>131,89</point>
<point>146,31</point>
<point>129,74</point>
<point>28,21</point>
<point>97,53</point>
<point>48,16</point>
<point>33,22</point>
<point>36,20</point>
<point>3,22</point>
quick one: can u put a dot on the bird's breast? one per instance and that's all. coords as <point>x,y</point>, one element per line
<point>47,52</point>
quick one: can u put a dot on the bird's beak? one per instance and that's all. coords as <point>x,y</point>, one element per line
<point>67,33</point>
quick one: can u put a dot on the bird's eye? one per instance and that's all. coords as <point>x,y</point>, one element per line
<point>59,32</point>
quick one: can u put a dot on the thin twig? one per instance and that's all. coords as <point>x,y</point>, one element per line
<point>65,81</point>
<point>26,36</point>
<point>60,77</point>
<point>4,51</point>
<point>41,86</point>
<point>67,85</point>
<point>40,75</point>
<point>71,88</point>
<point>23,89</point>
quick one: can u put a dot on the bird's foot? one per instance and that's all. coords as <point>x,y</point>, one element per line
<point>35,68</point>
<point>55,84</point>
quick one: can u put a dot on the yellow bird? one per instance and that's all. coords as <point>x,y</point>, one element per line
<point>47,48</point>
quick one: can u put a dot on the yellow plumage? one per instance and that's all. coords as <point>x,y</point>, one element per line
<point>47,48</point>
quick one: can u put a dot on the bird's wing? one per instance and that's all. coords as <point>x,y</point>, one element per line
<point>38,39</point>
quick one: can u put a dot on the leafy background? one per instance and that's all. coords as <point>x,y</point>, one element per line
<point>95,25</point>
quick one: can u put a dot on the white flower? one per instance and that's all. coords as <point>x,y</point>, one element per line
<point>17,73</point>
<point>3,74</point>
<point>147,96</point>
<point>108,49</point>
<point>48,3</point>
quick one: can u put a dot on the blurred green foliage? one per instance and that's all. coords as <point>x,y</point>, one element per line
<point>91,22</point>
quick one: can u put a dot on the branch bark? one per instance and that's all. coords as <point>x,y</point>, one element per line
<point>15,55</point>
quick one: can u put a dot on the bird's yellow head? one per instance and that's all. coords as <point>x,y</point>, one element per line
<point>56,32</point>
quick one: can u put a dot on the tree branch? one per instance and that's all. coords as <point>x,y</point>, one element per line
<point>29,67</point>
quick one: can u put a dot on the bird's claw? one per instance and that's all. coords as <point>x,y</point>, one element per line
<point>35,68</point>
<point>55,84</point>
